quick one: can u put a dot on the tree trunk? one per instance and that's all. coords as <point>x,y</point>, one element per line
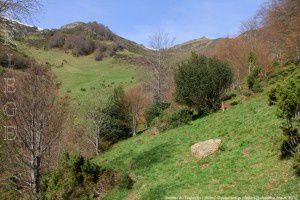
<point>249,69</point>
<point>97,141</point>
<point>35,176</point>
<point>134,124</point>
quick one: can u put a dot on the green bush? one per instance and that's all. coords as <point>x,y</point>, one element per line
<point>288,102</point>
<point>178,118</point>
<point>289,99</point>
<point>155,110</point>
<point>78,178</point>
<point>282,73</point>
<point>253,80</point>
<point>116,120</point>
<point>173,118</point>
<point>297,161</point>
<point>2,70</point>
<point>272,96</point>
<point>74,177</point>
<point>257,87</point>
<point>247,93</point>
<point>234,103</point>
<point>276,65</point>
<point>228,96</point>
<point>201,82</point>
<point>112,119</point>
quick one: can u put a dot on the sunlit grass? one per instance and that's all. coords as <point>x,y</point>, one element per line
<point>83,78</point>
<point>246,165</point>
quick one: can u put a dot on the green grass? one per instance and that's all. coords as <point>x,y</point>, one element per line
<point>162,165</point>
<point>84,73</point>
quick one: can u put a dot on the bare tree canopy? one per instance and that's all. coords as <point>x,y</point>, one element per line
<point>36,116</point>
<point>281,20</point>
<point>161,41</point>
<point>159,65</point>
<point>98,119</point>
<point>19,9</point>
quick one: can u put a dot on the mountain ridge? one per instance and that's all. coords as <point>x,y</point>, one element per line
<point>18,26</point>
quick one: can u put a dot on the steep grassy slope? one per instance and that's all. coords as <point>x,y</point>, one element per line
<point>183,51</point>
<point>195,45</point>
<point>246,165</point>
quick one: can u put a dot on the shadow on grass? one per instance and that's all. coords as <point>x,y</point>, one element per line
<point>158,192</point>
<point>148,158</point>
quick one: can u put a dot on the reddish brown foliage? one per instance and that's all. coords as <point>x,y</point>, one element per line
<point>136,101</point>
<point>281,21</point>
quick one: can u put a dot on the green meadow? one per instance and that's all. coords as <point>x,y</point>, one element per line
<point>247,163</point>
<point>83,78</point>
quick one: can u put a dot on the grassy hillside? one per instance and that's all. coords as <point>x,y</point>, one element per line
<point>246,165</point>
<point>82,77</point>
<point>195,45</point>
<point>183,51</point>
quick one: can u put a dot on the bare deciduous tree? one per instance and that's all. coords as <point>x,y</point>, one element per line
<point>36,119</point>
<point>157,61</point>
<point>250,30</point>
<point>281,20</point>
<point>19,9</point>
<point>235,52</point>
<point>97,118</point>
<point>136,101</point>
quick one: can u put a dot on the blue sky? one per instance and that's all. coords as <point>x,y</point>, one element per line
<point>137,19</point>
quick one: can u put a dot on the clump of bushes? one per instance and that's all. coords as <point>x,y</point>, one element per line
<point>114,118</point>
<point>288,103</point>
<point>173,118</point>
<point>57,40</point>
<point>287,98</point>
<point>80,45</point>
<point>297,162</point>
<point>99,31</point>
<point>282,73</point>
<point>78,178</point>
<point>247,93</point>
<point>99,55</point>
<point>155,110</point>
<point>253,80</point>
<point>201,82</point>
<point>234,103</point>
<point>272,96</point>
<point>228,96</point>
<point>276,65</point>
<point>10,57</point>
<point>112,52</point>
<point>101,46</point>
<point>83,39</point>
<point>103,50</point>
<point>83,47</point>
